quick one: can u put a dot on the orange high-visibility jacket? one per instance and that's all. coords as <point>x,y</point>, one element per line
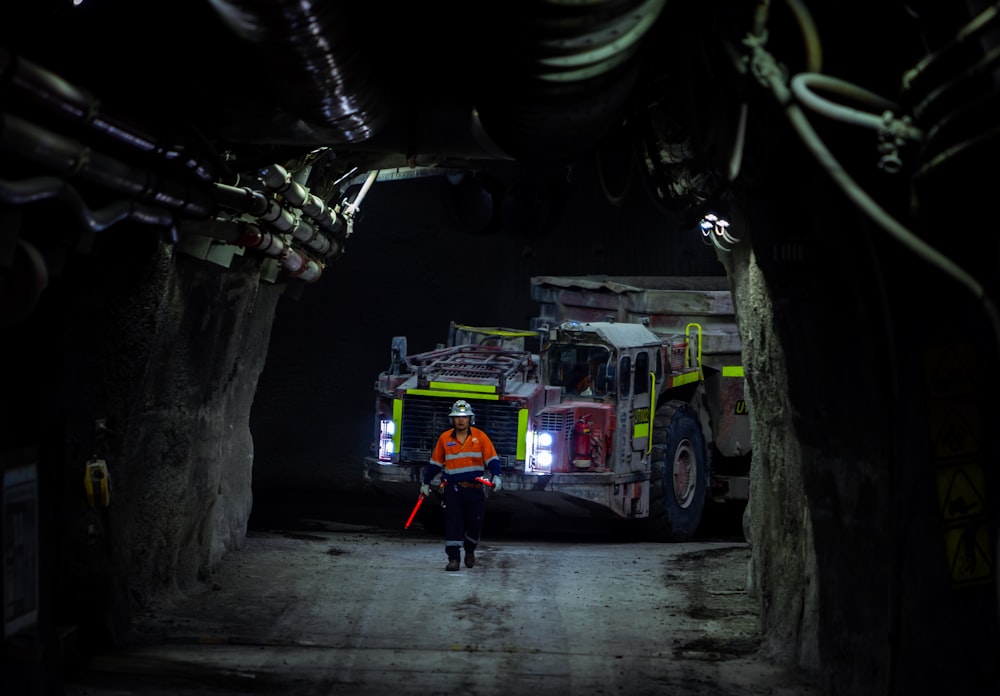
<point>463,461</point>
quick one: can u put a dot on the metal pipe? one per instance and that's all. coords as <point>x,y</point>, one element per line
<point>351,209</point>
<point>240,198</point>
<point>277,179</point>
<point>255,238</point>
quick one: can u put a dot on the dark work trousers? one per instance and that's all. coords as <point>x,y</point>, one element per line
<point>463,519</point>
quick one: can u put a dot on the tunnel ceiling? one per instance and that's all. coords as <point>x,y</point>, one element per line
<point>158,102</point>
<point>488,87</point>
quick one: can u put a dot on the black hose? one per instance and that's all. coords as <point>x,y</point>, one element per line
<point>50,187</point>
<point>69,157</point>
<point>32,86</point>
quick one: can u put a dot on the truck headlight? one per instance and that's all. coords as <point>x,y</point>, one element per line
<point>387,428</point>
<point>540,447</point>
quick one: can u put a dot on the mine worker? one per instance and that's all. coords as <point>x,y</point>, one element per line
<point>462,455</point>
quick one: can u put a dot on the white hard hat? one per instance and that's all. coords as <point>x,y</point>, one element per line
<point>461,408</point>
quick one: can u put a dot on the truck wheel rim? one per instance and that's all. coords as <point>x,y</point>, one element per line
<point>685,474</point>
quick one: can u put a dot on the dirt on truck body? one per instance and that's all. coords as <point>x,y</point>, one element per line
<point>605,416</point>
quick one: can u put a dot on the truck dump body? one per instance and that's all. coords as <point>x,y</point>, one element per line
<point>667,305</point>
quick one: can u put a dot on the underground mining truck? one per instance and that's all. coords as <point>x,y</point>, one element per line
<point>607,418</point>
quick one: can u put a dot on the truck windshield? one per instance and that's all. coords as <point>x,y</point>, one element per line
<point>580,369</point>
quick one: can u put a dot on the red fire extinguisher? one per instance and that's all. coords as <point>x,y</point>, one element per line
<point>581,442</point>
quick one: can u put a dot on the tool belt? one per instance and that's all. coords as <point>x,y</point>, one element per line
<point>469,484</point>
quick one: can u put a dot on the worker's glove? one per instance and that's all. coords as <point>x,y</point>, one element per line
<point>425,489</point>
<point>497,483</point>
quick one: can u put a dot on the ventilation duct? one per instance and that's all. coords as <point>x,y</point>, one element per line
<point>562,82</point>
<point>313,52</point>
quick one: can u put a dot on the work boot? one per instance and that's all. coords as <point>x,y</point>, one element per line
<point>452,564</point>
<point>470,559</point>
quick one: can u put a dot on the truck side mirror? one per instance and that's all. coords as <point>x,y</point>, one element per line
<point>397,355</point>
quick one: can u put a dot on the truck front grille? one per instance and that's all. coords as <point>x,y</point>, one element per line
<point>426,417</point>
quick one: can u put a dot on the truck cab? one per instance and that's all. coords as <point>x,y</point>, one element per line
<point>607,374</point>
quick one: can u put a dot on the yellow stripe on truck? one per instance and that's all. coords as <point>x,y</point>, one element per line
<point>732,371</point>
<point>686,378</point>
<point>522,434</point>
<point>640,425</point>
<point>455,386</point>
<point>397,418</point>
<point>498,332</point>
<point>454,393</point>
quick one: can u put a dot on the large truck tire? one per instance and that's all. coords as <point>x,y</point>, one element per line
<point>679,473</point>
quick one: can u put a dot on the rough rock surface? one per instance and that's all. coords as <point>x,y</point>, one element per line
<point>174,390</point>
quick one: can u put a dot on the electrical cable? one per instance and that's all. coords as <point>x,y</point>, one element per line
<point>810,36</point>
<point>736,159</point>
<point>940,101</point>
<point>770,76</point>
<point>981,23</point>
<point>802,86</point>
<point>973,144</point>
<point>613,198</point>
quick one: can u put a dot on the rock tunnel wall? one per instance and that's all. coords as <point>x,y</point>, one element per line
<point>782,575</point>
<point>159,375</point>
<point>856,578</point>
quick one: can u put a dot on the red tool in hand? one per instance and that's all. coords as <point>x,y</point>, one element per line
<point>485,482</point>
<point>413,514</point>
